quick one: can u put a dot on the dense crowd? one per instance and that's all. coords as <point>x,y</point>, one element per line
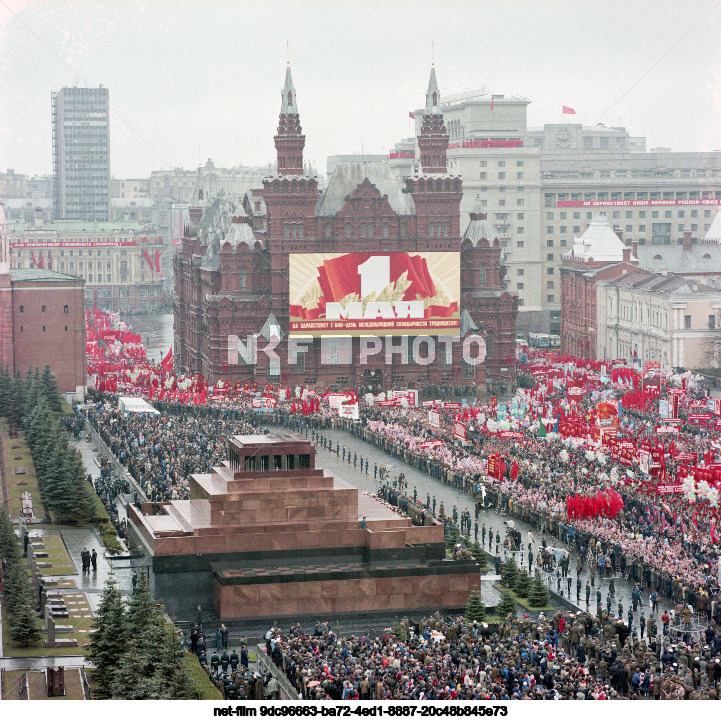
<point>565,656</point>
<point>162,451</point>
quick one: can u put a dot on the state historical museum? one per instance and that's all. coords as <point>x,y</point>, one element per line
<point>319,272</point>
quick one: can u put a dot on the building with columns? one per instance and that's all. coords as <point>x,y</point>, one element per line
<point>42,320</point>
<point>234,272</point>
<point>658,317</point>
<point>541,187</point>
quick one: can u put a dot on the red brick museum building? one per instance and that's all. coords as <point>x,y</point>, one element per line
<point>240,271</point>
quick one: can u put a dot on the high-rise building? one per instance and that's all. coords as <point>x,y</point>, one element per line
<point>541,187</point>
<point>81,154</point>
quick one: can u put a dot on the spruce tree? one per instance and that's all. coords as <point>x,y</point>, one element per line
<point>507,605</point>
<point>30,399</point>
<point>17,397</point>
<point>74,503</point>
<point>451,537</point>
<point>24,623</point>
<point>53,476</point>
<point>175,680</point>
<point>49,389</point>
<point>139,674</point>
<point>9,547</point>
<point>522,586</point>
<point>475,608</point>
<point>38,426</point>
<point>509,574</point>
<point>15,583</point>
<point>109,642</point>
<point>538,595</point>
<point>5,385</point>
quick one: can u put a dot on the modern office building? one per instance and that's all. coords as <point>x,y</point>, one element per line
<point>81,154</point>
<point>542,187</point>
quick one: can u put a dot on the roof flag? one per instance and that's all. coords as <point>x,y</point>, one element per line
<point>568,111</point>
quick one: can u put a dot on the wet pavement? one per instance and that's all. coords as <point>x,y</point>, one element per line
<point>121,565</point>
<point>493,521</point>
<point>156,332</point>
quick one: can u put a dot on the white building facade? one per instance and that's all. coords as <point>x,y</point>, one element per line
<point>659,317</point>
<point>542,187</point>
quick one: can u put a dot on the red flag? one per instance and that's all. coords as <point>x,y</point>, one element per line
<point>568,111</point>
<point>712,532</point>
<point>167,362</point>
<point>411,116</point>
<point>491,103</point>
<point>514,470</point>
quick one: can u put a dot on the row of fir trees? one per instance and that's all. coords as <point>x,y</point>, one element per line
<point>19,603</point>
<point>137,654</point>
<point>34,402</point>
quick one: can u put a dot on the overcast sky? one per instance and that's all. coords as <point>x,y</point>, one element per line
<point>203,77</point>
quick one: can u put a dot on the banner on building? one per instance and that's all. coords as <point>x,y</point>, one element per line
<point>365,294</point>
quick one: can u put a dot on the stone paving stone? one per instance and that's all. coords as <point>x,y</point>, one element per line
<point>450,496</point>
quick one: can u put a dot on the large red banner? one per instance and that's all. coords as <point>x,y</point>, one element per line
<point>363,294</point>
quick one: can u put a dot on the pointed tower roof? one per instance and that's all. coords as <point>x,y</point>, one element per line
<point>289,105</point>
<point>479,227</point>
<point>433,96</point>
<point>598,243</point>
<point>240,231</point>
<point>714,232</point>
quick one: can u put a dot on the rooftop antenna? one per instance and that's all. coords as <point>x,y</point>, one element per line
<point>287,53</point>
<point>433,58</point>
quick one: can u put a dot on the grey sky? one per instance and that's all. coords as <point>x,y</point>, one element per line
<point>190,74</point>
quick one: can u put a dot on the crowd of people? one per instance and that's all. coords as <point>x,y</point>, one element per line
<point>564,656</point>
<point>664,547</point>
<point>228,669</point>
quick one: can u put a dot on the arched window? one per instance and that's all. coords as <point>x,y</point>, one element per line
<point>404,230</point>
<point>385,230</point>
<point>435,99</point>
<point>290,98</point>
<point>482,276</point>
<point>327,230</point>
<point>347,230</point>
